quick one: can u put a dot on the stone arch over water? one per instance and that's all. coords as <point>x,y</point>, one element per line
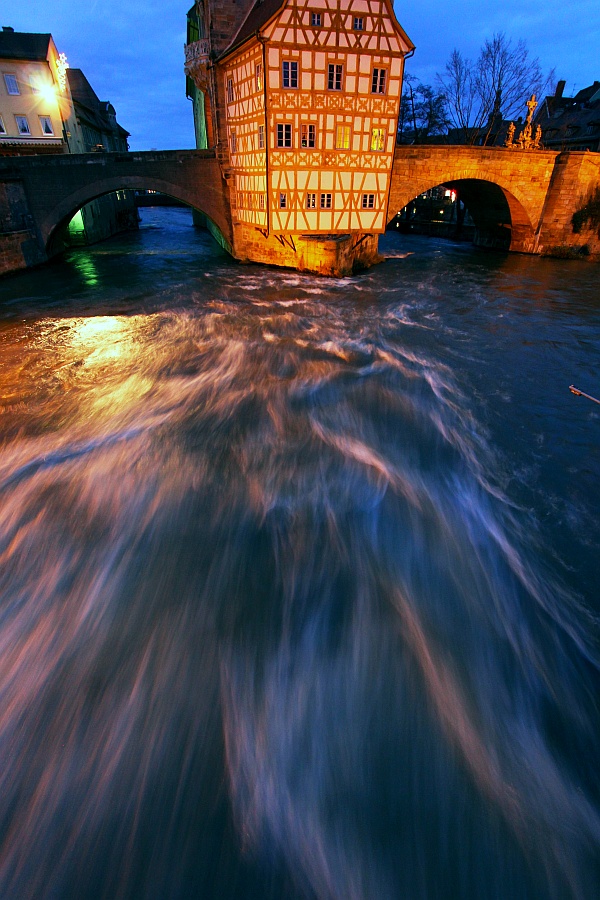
<point>504,190</point>
<point>501,221</point>
<point>59,217</point>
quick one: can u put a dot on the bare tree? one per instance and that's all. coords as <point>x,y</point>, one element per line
<point>496,86</point>
<point>422,112</point>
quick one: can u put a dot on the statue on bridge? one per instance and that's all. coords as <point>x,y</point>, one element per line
<point>526,140</point>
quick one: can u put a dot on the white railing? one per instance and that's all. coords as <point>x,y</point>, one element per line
<point>198,50</point>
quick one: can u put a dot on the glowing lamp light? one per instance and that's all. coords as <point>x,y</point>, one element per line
<point>48,92</point>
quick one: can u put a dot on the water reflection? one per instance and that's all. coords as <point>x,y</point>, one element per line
<point>85,264</point>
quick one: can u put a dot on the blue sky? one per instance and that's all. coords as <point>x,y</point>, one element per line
<point>132,51</point>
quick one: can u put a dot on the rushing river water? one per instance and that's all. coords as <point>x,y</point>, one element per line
<point>299,577</point>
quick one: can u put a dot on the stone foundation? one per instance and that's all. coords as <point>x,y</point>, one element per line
<point>335,255</point>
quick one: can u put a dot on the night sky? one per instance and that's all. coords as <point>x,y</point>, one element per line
<point>132,51</point>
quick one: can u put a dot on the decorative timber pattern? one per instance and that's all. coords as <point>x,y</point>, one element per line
<point>311,109</point>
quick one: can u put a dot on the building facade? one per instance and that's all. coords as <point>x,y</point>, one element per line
<point>303,99</point>
<point>36,109</point>
<point>46,107</point>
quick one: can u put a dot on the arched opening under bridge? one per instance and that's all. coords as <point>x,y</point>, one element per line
<point>464,209</point>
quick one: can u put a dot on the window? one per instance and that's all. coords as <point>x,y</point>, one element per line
<point>315,20</point>
<point>283,201</point>
<point>358,24</point>
<point>261,137</point>
<point>258,76</point>
<point>284,135</point>
<point>230,90</point>
<point>378,139</point>
<point>289,73</point>
<point>593,127</point>
<point>22,124</point>
<point>334,77</point>
<point>308,136</point>
<point>378,83</point>
<point>46,123</point>
<point>261,201</point>
<point>33,84</point>
<point>233,141</point>
<point>311,201</point>
<point>2,128</point>
<point>342,137</point>
<point>325,201</point>
<point>368,201</point>
<point>11,83</point>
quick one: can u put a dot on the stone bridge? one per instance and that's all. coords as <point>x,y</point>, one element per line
<point>521,200</point>
<point>46,191</point>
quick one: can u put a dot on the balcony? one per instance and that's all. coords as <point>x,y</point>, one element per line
<point>196,52</point>
<point>196,62</point>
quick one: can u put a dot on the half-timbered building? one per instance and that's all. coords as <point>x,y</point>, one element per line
<point>305,100</point>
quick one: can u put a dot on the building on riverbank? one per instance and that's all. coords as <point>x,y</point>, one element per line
<point>36,108</point>
<point>300,100</point>
<point>48,108</point>
<point>571,123</point>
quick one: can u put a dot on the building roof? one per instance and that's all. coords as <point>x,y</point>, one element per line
<point>22,45</point>
<point>259,15</point>
<point>264,10</point>
<point>571,122</point>
<point>88,107</point>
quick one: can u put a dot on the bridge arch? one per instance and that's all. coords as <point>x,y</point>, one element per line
<point>504,190</point>
<point>61,213</point>
<point>501,220</point>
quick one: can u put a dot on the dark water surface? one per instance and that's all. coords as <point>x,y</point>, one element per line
<point>299,577</point>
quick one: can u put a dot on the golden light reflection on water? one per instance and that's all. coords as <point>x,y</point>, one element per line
<point>103,338</point>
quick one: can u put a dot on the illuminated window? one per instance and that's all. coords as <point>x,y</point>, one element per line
<point>311,201</point>
<point>261,137</point>
<point>230,90</point>
<point>342,137</point>
<point>261,201</point>
<point>378,139</point>
<point>289,72</point>
<point>22,125</point>
<point>308,135</point>
<point>378,82</point>
<point>33,84</point>
<point>11,84</point>
<point>283,201</point>
<point>284,135</point>
<point>2,128</point>
<point>258,76</point>
<point>334,76</point>
<point>358,24</point>
<point>233,141</point>
<point>325,201</point>
<point>368,201</point>
<point>315,20</point>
